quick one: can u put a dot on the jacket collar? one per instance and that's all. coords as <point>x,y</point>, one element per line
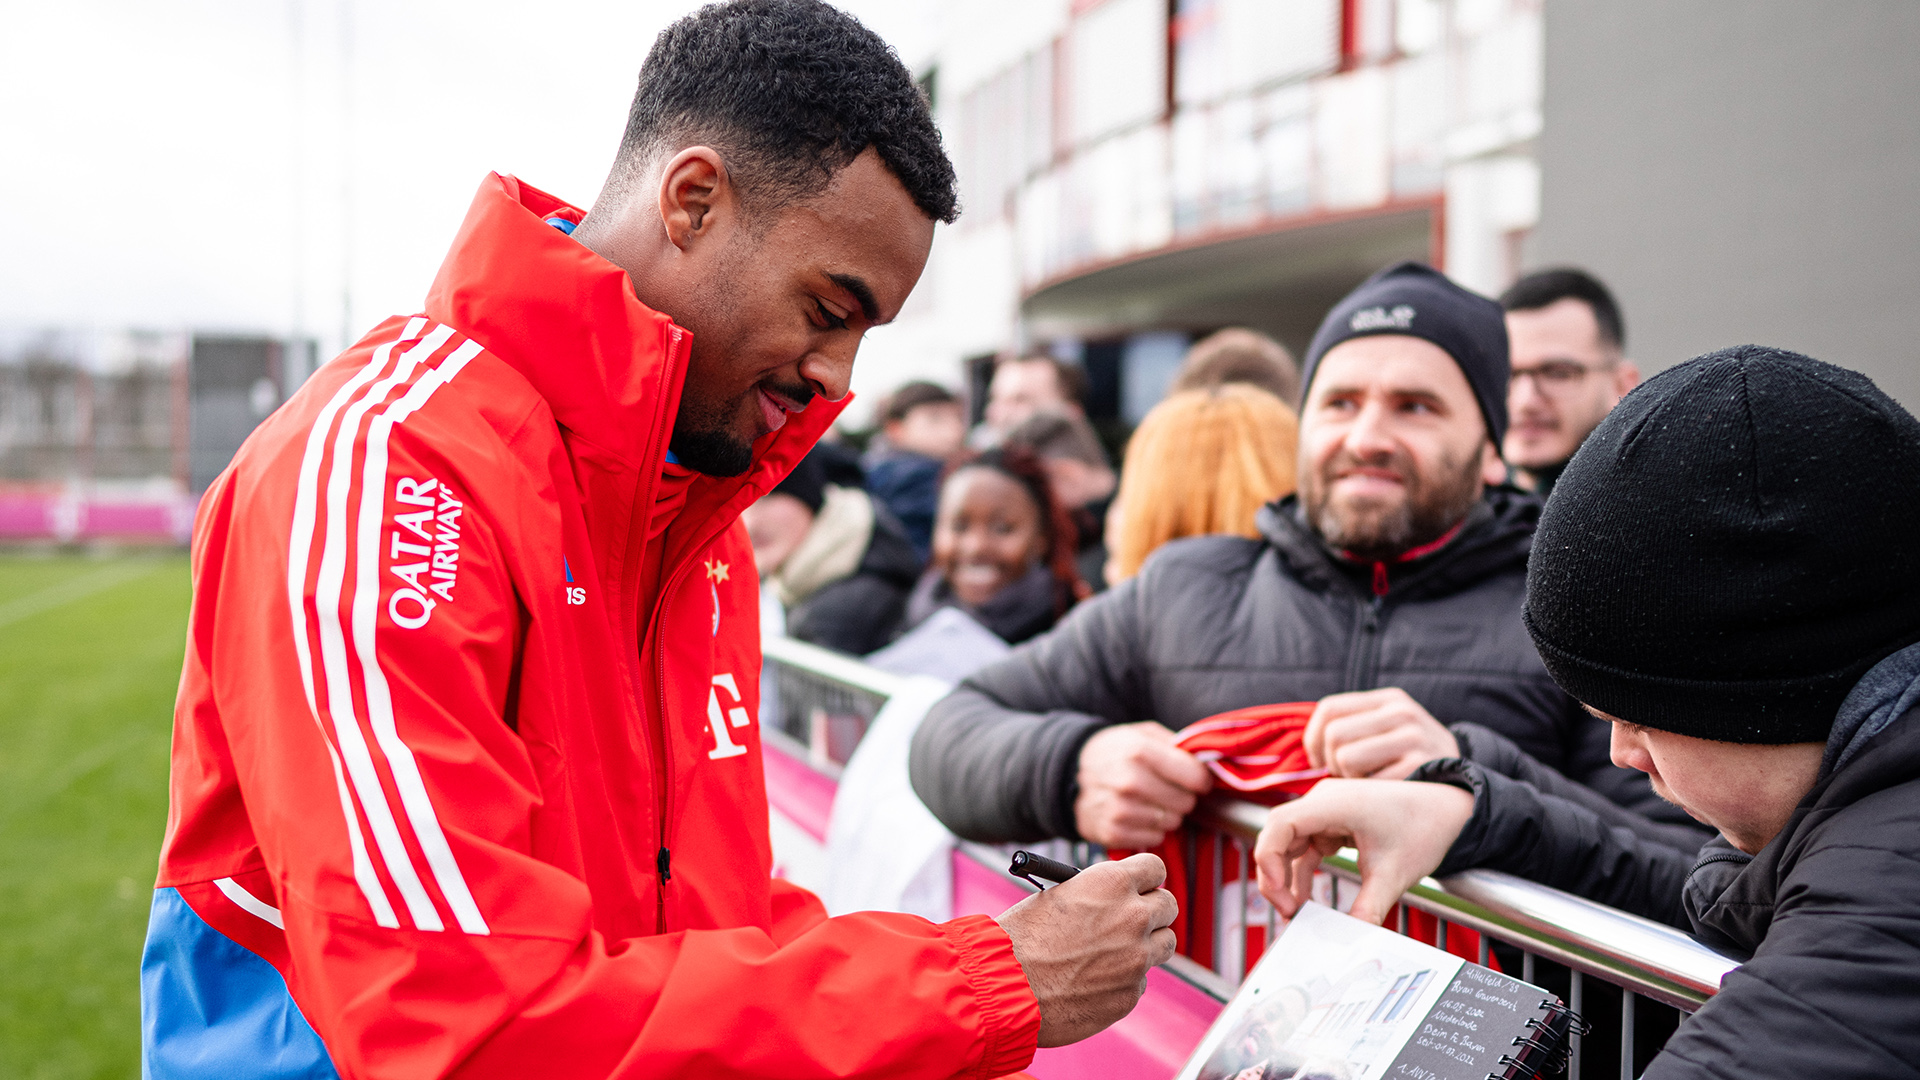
<point>609,367</point>
<point>1731,896</point>
<point>1496,535</point>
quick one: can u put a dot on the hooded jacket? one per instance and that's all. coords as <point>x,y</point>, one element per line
<point>1826,916</point>
<point>1217,623</point>
<point>448,797</point>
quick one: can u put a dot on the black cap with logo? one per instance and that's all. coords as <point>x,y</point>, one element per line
<point>1416,300</point>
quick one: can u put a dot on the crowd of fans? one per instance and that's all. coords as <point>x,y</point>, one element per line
<point>986,513</point>
<point>1633,673</point>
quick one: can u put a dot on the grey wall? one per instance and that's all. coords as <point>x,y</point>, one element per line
<point>1741,172</point>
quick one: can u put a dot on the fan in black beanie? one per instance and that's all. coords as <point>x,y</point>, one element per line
<point>1732,548</point>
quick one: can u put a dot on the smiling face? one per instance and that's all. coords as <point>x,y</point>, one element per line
<point>1393,448</point>
<point>1748,792</point>
<point>777,298</point>
<point>987,534</point>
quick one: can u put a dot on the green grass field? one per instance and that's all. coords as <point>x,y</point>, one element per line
<point>89,658</point>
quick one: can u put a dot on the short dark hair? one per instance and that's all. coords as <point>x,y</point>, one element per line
<point>911,396</point>
<point>1071,378</point>
<point>1544,287</point>
<point>789,92</point>
<point>1056,436</point>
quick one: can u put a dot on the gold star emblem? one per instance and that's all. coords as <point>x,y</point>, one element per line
<point>716,570</point>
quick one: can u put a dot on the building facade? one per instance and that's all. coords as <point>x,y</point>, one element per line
<point>1138,172</point>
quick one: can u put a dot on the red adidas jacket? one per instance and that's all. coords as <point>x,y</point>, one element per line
<point>441,804</point>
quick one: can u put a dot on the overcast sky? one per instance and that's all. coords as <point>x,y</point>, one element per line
<point>247,165</point>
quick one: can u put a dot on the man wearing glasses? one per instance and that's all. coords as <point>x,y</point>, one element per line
<point>1568,370</point>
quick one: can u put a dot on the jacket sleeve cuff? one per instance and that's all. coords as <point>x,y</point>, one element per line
<point>1010,1014</point>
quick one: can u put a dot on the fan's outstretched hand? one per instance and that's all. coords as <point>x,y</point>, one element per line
<point>1402,831</point>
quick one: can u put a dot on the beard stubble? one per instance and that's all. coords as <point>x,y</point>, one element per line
<point>1380,532</point>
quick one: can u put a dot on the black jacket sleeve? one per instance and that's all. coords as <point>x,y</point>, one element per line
<point>995,761</point>
<point>1554,840</point>
<point>854,615</point>
<point>1651,818</point>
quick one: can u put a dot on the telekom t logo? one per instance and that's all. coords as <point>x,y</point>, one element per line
<point>723,744</point>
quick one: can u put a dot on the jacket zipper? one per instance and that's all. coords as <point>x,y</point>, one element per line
<point>657,741</point>
<point>1363,665</point>
<point>663,858</point>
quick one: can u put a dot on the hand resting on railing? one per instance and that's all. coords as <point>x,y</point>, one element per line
<point>1384,734</point>
<point>1136,786</point>
<point>1402,832</point>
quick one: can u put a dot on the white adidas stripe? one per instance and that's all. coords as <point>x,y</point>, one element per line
<point>248,902</point>
<point>366,612</point>
<point>328,589</point>
<point>299,550</point>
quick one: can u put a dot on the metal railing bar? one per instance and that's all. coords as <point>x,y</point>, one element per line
<point>1626,1034</point>
<point>1247,892</point>
<point>1667,960</point>
<point>1577,1001</point>
<point>1219,849</point>
<point>830,665</point>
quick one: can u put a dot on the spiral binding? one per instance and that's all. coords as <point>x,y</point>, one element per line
<point>1546,1051</point>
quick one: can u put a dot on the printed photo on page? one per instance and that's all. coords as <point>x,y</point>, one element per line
<point>1334,999</point>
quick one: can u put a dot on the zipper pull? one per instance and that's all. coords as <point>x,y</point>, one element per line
<point>664,863</point>
<point>1379,580</point>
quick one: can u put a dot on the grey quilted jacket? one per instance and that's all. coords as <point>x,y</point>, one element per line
<point>1222,622</point>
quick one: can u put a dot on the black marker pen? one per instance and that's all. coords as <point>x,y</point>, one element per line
<point>1030,866</point>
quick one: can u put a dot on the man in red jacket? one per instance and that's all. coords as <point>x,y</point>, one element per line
<point>466,768</point>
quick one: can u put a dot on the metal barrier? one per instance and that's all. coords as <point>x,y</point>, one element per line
<point>1633,979</point>
<point>820,698</point>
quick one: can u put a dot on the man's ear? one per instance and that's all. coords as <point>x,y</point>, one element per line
<point>696,195</point>
<point>1626,376</point>
<point>1493,470</point>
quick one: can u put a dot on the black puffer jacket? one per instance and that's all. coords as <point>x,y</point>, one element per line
<point>1828,912</point>
<point>1220,622</point>
<point>859,613</point>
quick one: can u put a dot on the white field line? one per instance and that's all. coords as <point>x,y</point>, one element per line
<point>79,588</point>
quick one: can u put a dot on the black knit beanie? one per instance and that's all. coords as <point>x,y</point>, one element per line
<point>807,482</point>
<point>1416,300</point>
<point>1732,548</point>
